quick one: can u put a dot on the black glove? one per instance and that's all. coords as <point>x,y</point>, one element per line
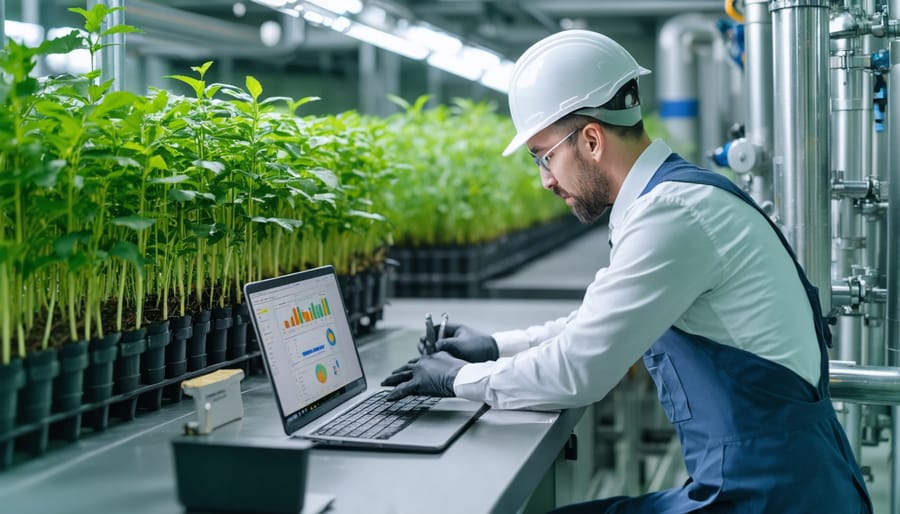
<point>430,375</point>
<point>465,343</point>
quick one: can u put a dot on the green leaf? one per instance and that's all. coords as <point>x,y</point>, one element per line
<point>112,101</point>
<point>197,85</point>
<point>286,223</point>
<point>273,99</point>
<point>134,222</point>
<point>182,195</point>
<point>120,29</point>
<point>64,246</point>
<point>368,215</point>
<point>201,70</point>
<point>202,231</point>
<point>173,179</point>
<point>129,252</point>
<point>158,163</point>
<point>303,101</point>
<point>62,45</point>
<point>326,176</point>
<point>254,87</point>
<point>213,166</point>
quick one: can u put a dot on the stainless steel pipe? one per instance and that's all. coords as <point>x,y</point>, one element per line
<point>876,385</point>
<point>892,310</point>
<point>758,85</point>
<point>801,168</point>
<point>676,78</point>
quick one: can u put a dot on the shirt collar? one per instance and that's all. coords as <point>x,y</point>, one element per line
<point>640,174</point>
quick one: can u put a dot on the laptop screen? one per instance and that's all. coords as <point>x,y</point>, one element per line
<point>305,337</point>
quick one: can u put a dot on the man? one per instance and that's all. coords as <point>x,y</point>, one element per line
<point>700,282</point>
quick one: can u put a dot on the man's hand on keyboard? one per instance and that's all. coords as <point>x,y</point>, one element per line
<point>431,375</point>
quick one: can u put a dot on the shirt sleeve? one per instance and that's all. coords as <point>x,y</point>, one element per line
<point>511,342</point>
<point>663,260</point>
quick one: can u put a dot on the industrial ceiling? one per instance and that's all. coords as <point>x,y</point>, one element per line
<point>183,27</point>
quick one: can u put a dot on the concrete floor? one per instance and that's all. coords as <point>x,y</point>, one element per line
<point>552,286</point>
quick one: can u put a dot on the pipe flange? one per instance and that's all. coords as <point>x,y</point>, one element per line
<point>850,243</point>
<point>857,291</point>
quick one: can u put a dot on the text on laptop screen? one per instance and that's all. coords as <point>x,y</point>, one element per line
<point>307,339</point>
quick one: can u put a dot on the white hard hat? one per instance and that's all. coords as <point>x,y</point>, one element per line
<point>567,71</point>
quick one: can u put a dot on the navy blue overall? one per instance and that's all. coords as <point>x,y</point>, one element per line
<point>756,437</point>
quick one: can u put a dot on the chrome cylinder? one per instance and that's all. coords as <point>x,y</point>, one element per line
<point>847,128</point>
<point>758,86</point>
<point>800,161</point>
<point>676,79</point>
<point>864,384</point>
<point>892,310</point>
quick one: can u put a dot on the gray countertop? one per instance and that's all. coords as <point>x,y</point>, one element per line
<point>493,467</point>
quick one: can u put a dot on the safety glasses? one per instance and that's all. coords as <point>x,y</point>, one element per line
<point>543,161</point>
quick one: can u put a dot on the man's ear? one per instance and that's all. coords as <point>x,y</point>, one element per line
<point>595,138</point>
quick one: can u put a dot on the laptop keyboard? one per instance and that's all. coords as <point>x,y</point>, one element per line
<point>377,418</point>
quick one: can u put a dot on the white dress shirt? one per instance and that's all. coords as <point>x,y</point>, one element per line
<point>685,255</point>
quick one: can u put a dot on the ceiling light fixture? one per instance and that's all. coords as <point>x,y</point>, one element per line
<point>387,41</point>
<point>339,6</point>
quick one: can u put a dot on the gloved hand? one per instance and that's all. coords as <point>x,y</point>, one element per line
<point>465,343</point>
<point>431,375</point>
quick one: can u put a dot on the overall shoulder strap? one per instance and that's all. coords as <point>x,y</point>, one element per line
<point>676,169</point>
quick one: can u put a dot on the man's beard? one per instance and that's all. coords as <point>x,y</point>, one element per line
<point>592,200</point>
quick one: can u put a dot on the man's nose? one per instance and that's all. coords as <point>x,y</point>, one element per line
<point>547,179</point>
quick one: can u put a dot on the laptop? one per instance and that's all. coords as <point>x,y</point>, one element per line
<point>318,379</point>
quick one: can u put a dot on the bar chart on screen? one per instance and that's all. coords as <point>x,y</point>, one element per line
<point>304,313</point>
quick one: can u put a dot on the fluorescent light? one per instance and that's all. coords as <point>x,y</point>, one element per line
<point>274,4</point>
<point>339,6</point>
<point>437,41</point>
<point>373,16</point>
<point>498,77</point>
<point>314,17</point>
<point>27,34</point>
<point>387,41</point>
<point>341,24</point>
<point>479,58</point>
<point>270,33</point>
<point>452,63</point>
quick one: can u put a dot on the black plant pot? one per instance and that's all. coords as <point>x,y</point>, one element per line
<point>98,378</point>
<point>153,360</point>
<point>370,290</point>
<point>196,348</point>
<point>176,353</point>
<point>12,378</point>
<point>237,334</point>
<point>127,373</point>
<point>153,363</point>
<point>217,339</point>
<point>35,399</point>
<point>68,387</point>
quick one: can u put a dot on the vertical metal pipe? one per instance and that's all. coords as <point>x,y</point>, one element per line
<point>111,59</point>
<point>847,157</point>
<point>759,87</point>
<point>2,23</point>
<point>676,79</point>
<point>892,316</point>
<point>800,162</point>
<point>873,342</point>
